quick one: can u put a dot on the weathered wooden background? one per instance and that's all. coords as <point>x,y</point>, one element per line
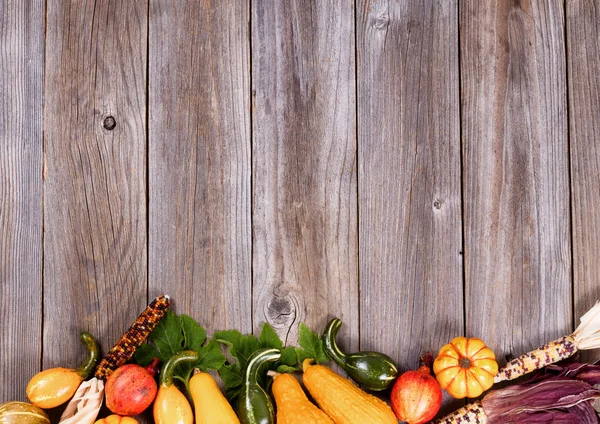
<point>421,169</point>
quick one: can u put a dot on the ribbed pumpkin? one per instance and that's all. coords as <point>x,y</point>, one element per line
<point>22,413</point>
<point>343,401</point>
<point>465,367</point>
<point>293,407</point>
<point>116,419</point>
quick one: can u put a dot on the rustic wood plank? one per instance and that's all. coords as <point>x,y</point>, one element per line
<point>515,155</point>
<point>95,182</point>
<point>21,100</point>
<point>583,47</point>
<point>200,222</point>
<point>304,166</point>
<point>409,177</point>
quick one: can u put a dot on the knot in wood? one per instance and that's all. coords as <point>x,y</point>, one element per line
<point>381,22</point>
<point>109,123</point>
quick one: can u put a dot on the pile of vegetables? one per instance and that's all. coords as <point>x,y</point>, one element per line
<point>173,375</point>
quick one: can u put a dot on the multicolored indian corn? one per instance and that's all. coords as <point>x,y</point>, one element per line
<point>552,352</point>
<point>134,337</point>
<point>586,336</point>
<point>472,413</point>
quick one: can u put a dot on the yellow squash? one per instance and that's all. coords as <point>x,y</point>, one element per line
<point>343,401</point>
<point>293,407</point>
<point>170,405</point>
<point>210,404</point>
<point>22,413</point>
<point>53,387</point>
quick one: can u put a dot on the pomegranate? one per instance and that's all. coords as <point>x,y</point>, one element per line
<point>130,389</point>
<point>416,396</point>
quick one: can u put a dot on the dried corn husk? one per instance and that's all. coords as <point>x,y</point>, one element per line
<point>587,334</point>
<point>85,405</point>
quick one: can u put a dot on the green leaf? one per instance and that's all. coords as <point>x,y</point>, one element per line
<point>269,338</point>
<point>210,357</point>
<point>145,354</point>
<point>231,375</point>
<point>168,336</point>
<point>287,369</point>
<point>289,357</point>
<point>311,346</point>
<point>241,347</point>
<point>194,335</point>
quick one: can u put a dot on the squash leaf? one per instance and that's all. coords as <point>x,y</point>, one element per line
<point>311,346</point>
<point>175,333</point>
<point>241,347</point>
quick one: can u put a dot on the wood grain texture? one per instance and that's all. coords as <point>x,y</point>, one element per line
<point>515,166</point>
<point>200,223</point>
<point>304,166</point>
<point>95,178</point>
<point>409,177</point>
<point>21,100</point>
<point>583,38</point>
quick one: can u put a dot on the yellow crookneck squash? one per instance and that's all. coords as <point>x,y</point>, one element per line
<point>293,407</point>
<point>341,400</point>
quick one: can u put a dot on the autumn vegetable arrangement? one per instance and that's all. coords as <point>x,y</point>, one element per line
<point>172,375</point>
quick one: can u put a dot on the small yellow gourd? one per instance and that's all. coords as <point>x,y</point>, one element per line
<point>343,401</point>
<point>170,405</point>
<point>53,387</point>
<point>293,407</point>
<point>210,405</point>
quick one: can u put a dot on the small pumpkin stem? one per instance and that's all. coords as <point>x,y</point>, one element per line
<point>465,363</point>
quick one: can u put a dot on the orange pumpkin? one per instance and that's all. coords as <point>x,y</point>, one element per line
<point>465,367</point>
<point>116,419</point>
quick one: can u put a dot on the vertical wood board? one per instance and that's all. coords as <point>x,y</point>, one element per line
<point>409,177</point>
<point>515,166</point>
<point>304,166</point>
<point>200,224</point>
<point>95,177</point>
<point>21,100</point>
<point>583,39</point>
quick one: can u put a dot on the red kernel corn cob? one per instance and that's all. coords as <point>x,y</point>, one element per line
<point>133,338</point>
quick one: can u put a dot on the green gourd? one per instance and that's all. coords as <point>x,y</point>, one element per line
<point>372,370</point>
<point>254,404</point>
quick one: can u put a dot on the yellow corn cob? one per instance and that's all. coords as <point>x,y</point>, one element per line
<point>133,338</point>
<point>471,414</point>
<point>552,352</point>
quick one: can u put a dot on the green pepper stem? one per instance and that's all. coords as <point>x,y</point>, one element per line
<point>329,344</point>
<point>256,360</point>
<point>166,375</point>
<point>92,357</point>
